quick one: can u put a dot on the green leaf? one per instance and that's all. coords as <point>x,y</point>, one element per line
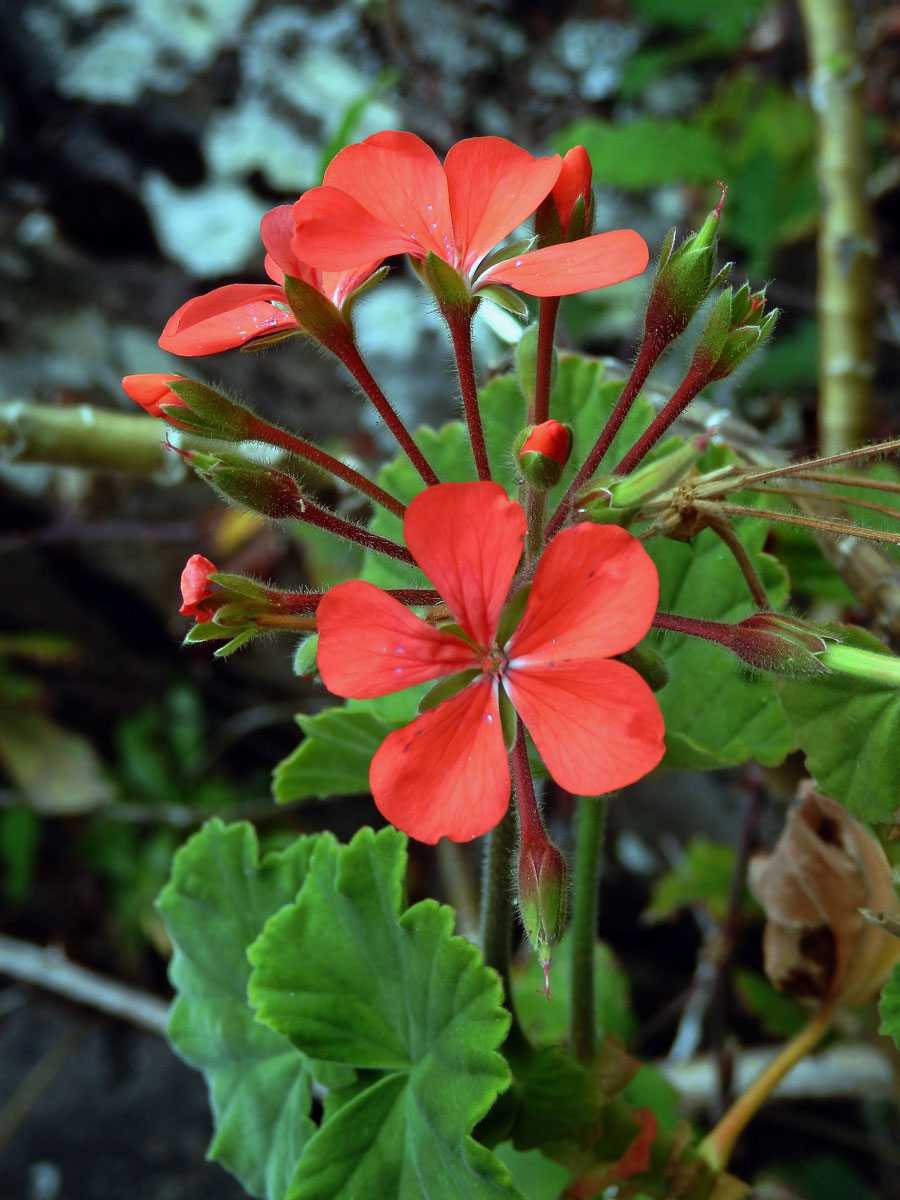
<point>780,1014</point>
<point>702,877</point>
<point>889,1006</point>
<point>537,1177</point>
<point>716,712</point>
<point>216,903</point>
<point>849,730</point>
<point>646,152</point>
<point>351,977</point>
<point>547,1024</point>
<point>333,759</point>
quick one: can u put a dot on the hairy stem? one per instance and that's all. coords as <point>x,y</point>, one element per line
<point>590,821</point>
<point>459,323</point>
<point>264,432</point>
<point>546,332</point>
<point>736,546</point>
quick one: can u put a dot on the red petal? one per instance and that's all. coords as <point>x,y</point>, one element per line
<point>494,186</point>
<point>596,725</point>
<point>336,233</point>
<point>370,645</point>
<point>225,318</point>
<point>445,774</point>
<point>574,183</point>
<point>592,262</point>
<point>594,594</point>
<point>467,538</point>
<point>277,230</point>
<point>397,178</point>
<point>151,392</point>
<point>195,586</point>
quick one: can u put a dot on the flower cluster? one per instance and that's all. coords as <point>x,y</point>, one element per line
<point>535,624</point>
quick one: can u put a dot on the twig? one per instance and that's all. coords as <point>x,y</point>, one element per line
<point>50,969</point>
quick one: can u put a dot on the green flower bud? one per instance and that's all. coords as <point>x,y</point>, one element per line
<point>543,898</point>
<point>250,484</point>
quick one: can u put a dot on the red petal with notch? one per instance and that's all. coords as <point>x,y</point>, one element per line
<point>596,725</point>
<point>467,538</point>
<point>494,186</point>
<point>399,179</point>
<point>371,645</point>
<point>446,773</point>
<point>594,594</point>
<point>151,392</point>
<point>277,230</point>
<point>225,318</point>
<point>336,233</point>
<point>591,262</point>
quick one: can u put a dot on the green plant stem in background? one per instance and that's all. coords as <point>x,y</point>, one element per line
<point>846,246</point>
<point>81,435</point>
<point>590,822</point>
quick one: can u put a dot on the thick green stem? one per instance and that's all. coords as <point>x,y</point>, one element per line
<point>847,247</point>
<point>81,435</point>
<point>590,821</point>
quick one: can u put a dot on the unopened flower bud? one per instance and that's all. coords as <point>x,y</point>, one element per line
<point>567,214</point>
<point>250,484</point>
<point>543,898</point>
<point>684,278</point>
<point>151,392</point>
<point>188,404</point>
<point>779,643</point>
<point>824,869</point>
<point>196,589</point>
<point>544,453</point>
<point>737,326</point>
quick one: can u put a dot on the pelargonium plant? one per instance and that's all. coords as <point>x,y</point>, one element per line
<point>557,595</point>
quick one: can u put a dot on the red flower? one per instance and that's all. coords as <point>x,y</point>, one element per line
<point>551,439</point>
<point>241,312</point>
<point>151,392</point>
<point>391,195</point>
<point>196,589</point>
<point>594,722</point>
<point>574,184</point>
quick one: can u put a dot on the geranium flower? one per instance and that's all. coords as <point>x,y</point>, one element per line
<point>594,721</point>
<point>196,589</point>
<point>391,195</point>
<point>238,313</point>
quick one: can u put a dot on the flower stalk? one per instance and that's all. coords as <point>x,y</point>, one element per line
<point>590,823</point>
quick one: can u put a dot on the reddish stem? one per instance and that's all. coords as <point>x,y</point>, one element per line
<point>648,354</point>
<point>459,322</point>
<point>546,331</point>
<point>304,602</point>
<point>694,382</point>
<point>712,631</point>
<point>264,432</point>
<point>321,518</point>
<point>349,355</point>
<point>531,823</point>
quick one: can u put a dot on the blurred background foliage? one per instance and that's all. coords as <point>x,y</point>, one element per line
<point>140,143</point>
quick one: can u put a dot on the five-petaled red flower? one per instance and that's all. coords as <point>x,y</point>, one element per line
<point>593,720</point>
<point>391,195</point>
<point>233,315</point>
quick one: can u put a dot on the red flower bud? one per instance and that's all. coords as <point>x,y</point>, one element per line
<point>544,453</point>
<point>196,589</point>
<point>151,392</point>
